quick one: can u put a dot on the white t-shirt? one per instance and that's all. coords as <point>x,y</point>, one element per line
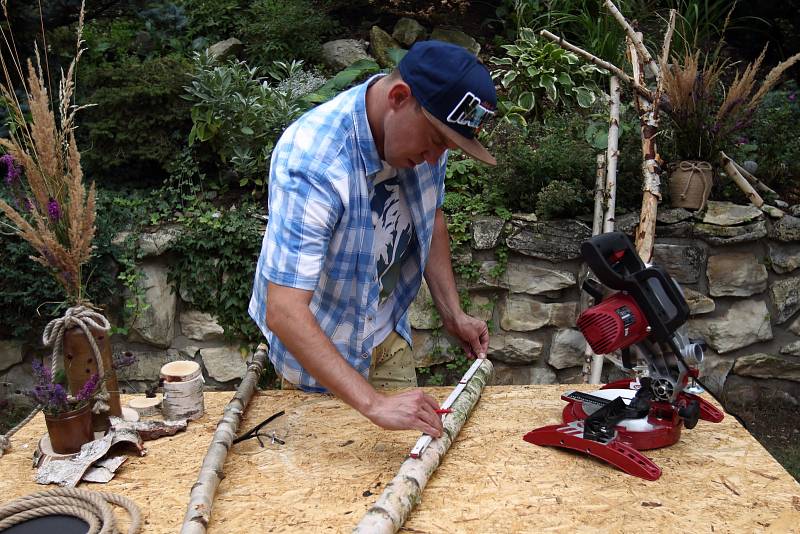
<point>394,233</point>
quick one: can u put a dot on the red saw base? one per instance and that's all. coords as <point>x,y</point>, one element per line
<point>661,428</point>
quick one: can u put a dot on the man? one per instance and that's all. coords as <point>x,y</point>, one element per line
<point>355,195</point>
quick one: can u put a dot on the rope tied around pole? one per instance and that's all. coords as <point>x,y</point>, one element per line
<point>93,507</point>
<point>84,318</point>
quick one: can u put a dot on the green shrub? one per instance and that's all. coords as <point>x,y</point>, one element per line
<point>215,266</point>
<point>241,115</point>
<point>562,199</point>
<point>534,69</point>
<point>139,122</point>
<point>278,30</point>
<point>777,155</point>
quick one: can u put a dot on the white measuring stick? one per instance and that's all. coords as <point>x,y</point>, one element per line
<point>425,440</point>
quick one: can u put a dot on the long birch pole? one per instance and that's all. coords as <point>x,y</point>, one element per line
<point>583,274</point>
<point>400,496</point>
<point>651,170</point>
<point>201,498</point>
<point>635,38</point>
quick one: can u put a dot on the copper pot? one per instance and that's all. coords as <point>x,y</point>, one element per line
<point>68,431</point>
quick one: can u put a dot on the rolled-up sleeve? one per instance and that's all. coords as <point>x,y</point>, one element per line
<point>304,211</point>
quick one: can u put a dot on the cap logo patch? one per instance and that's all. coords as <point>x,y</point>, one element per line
<point>470,112</point>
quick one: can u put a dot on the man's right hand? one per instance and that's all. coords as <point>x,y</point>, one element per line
<point>404,411</point>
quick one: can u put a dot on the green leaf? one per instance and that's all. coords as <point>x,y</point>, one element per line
<point>509,77</point>
<point>564,79</point>
<point>247,130</point>
<point>585,97</point>
<point>526,100</point>
<point>548,81</point>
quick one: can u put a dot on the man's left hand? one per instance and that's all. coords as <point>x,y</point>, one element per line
<point>472,334</point>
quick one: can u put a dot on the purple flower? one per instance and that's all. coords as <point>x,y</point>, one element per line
<point>792,97</point>
<point>12,171</point>
<point>741,140</point>
<point>42,373</point>
<point>88,388</point>
<point>53,209</point>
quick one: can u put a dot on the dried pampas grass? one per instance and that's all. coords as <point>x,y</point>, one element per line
<point>53,211</point>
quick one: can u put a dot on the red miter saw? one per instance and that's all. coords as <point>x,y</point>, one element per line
<point>645,320</point>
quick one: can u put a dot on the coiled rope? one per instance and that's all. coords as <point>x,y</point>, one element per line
<point>93,507</point>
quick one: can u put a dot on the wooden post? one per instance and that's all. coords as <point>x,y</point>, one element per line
<point>612,156</point>
<point>201,498</point>
<point>600,192</point>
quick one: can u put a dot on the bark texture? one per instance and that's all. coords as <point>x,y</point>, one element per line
<point>201,498</point>
<point>394,505</point>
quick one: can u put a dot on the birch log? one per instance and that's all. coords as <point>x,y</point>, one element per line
<point>392,508</point>
<point>612,156</point>
<point>201,497</point>
<point>635,38</point>
<point>651,170</point>
<point>755,182</point>
<point>583,274</point>
<point>734,174</point>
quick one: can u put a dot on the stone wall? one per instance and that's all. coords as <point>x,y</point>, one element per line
<point>737,266</point>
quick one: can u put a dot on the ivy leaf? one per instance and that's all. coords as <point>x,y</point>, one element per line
<point>247,130</point>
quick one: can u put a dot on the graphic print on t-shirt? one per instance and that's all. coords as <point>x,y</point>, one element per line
<point>393,228</point>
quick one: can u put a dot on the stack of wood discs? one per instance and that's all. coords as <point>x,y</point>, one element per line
<point>183,390</point>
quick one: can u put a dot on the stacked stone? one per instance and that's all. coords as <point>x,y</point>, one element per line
<point>737,267</point>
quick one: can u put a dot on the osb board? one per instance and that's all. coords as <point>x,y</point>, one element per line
<point>335,464</point>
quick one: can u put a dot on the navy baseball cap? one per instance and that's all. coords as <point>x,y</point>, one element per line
<point>455,90</point>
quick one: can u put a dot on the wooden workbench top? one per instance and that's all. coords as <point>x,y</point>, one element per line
<point>335,463</point>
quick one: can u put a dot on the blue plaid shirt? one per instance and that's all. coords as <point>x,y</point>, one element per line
<point>320,231</point>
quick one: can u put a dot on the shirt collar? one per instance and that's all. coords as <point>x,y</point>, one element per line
<point>366,143</point>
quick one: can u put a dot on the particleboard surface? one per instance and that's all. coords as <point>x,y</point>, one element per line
<point>335,464</point>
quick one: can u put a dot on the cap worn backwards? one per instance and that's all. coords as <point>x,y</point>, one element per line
<point>455,90</point>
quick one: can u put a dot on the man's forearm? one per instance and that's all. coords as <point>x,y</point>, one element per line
<point>289,317</point>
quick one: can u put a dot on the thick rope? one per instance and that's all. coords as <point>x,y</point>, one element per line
<point>94,507</point>
<point>85,318</point>
<point>5,439</point>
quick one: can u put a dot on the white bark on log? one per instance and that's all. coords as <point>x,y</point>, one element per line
<point>201,498</point>
<point>392,508</point>
<point>651,171</point>
<point>734,174</point>
<point>600,192</point>
<point>612,156</point>
<point>635,37</point>
<point>755,182</point>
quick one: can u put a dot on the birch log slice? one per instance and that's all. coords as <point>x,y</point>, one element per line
<point>183,390</point>
<point>145,406</point>
<point>394,505</point>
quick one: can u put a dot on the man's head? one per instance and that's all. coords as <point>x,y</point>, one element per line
<point>455,91</point>
<point>438,98</point>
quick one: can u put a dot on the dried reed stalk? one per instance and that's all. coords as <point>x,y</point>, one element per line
<point>53,211</point>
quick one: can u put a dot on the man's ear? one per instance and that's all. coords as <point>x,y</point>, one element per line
<point>399,94</point>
